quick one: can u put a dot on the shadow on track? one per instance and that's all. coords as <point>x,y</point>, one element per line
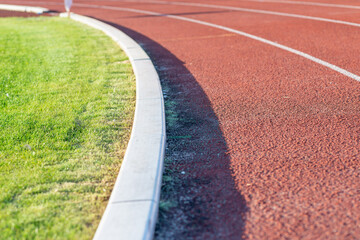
<point>198,198</point>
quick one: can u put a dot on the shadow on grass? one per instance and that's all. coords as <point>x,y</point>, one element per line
<point>198,199</point>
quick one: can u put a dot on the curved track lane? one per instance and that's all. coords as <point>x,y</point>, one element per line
<point>268,140</point>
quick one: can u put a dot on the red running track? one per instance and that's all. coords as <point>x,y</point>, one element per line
<point>268,140</point>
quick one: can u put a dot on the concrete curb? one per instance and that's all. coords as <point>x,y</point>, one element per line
<point>134,202</point>
<point>133,206</point>
<point>38,10</point>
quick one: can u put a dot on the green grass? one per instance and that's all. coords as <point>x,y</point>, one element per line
<point>67,96</point>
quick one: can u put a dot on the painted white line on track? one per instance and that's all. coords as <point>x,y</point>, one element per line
<point>260,39</point>
<point>297,52</point>
<point>247,10</point>
<point>307,3</point>
<point>225,7</point>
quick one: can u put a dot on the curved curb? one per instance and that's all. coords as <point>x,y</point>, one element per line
<point>38,10</point>
<point>133,205</point>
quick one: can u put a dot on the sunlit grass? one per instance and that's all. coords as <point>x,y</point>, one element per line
<point>67,96</point>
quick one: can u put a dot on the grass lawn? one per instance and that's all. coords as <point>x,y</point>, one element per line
<point>67,97</point>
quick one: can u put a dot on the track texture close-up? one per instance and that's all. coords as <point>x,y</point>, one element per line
<point>263,113</point>
<point>16,14</point>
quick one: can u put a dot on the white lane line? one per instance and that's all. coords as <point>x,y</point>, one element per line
<point>263,40</point>
<point>260,39</point>
<point>230,8</point>
<point>247,10</point>
<point>307,3</point>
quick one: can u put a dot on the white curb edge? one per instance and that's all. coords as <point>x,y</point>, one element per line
<point>134,202</point>
<point>38,10</point>
<point>133,206</point>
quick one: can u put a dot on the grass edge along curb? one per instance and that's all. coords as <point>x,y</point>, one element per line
<point>18,8</point>
<point>134,202</point>
<point>67,96</point>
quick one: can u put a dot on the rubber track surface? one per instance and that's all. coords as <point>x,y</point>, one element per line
<point>16,14</point>
<point>268,141</point>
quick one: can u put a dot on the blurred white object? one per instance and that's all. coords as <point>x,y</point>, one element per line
<point>68,4</point>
